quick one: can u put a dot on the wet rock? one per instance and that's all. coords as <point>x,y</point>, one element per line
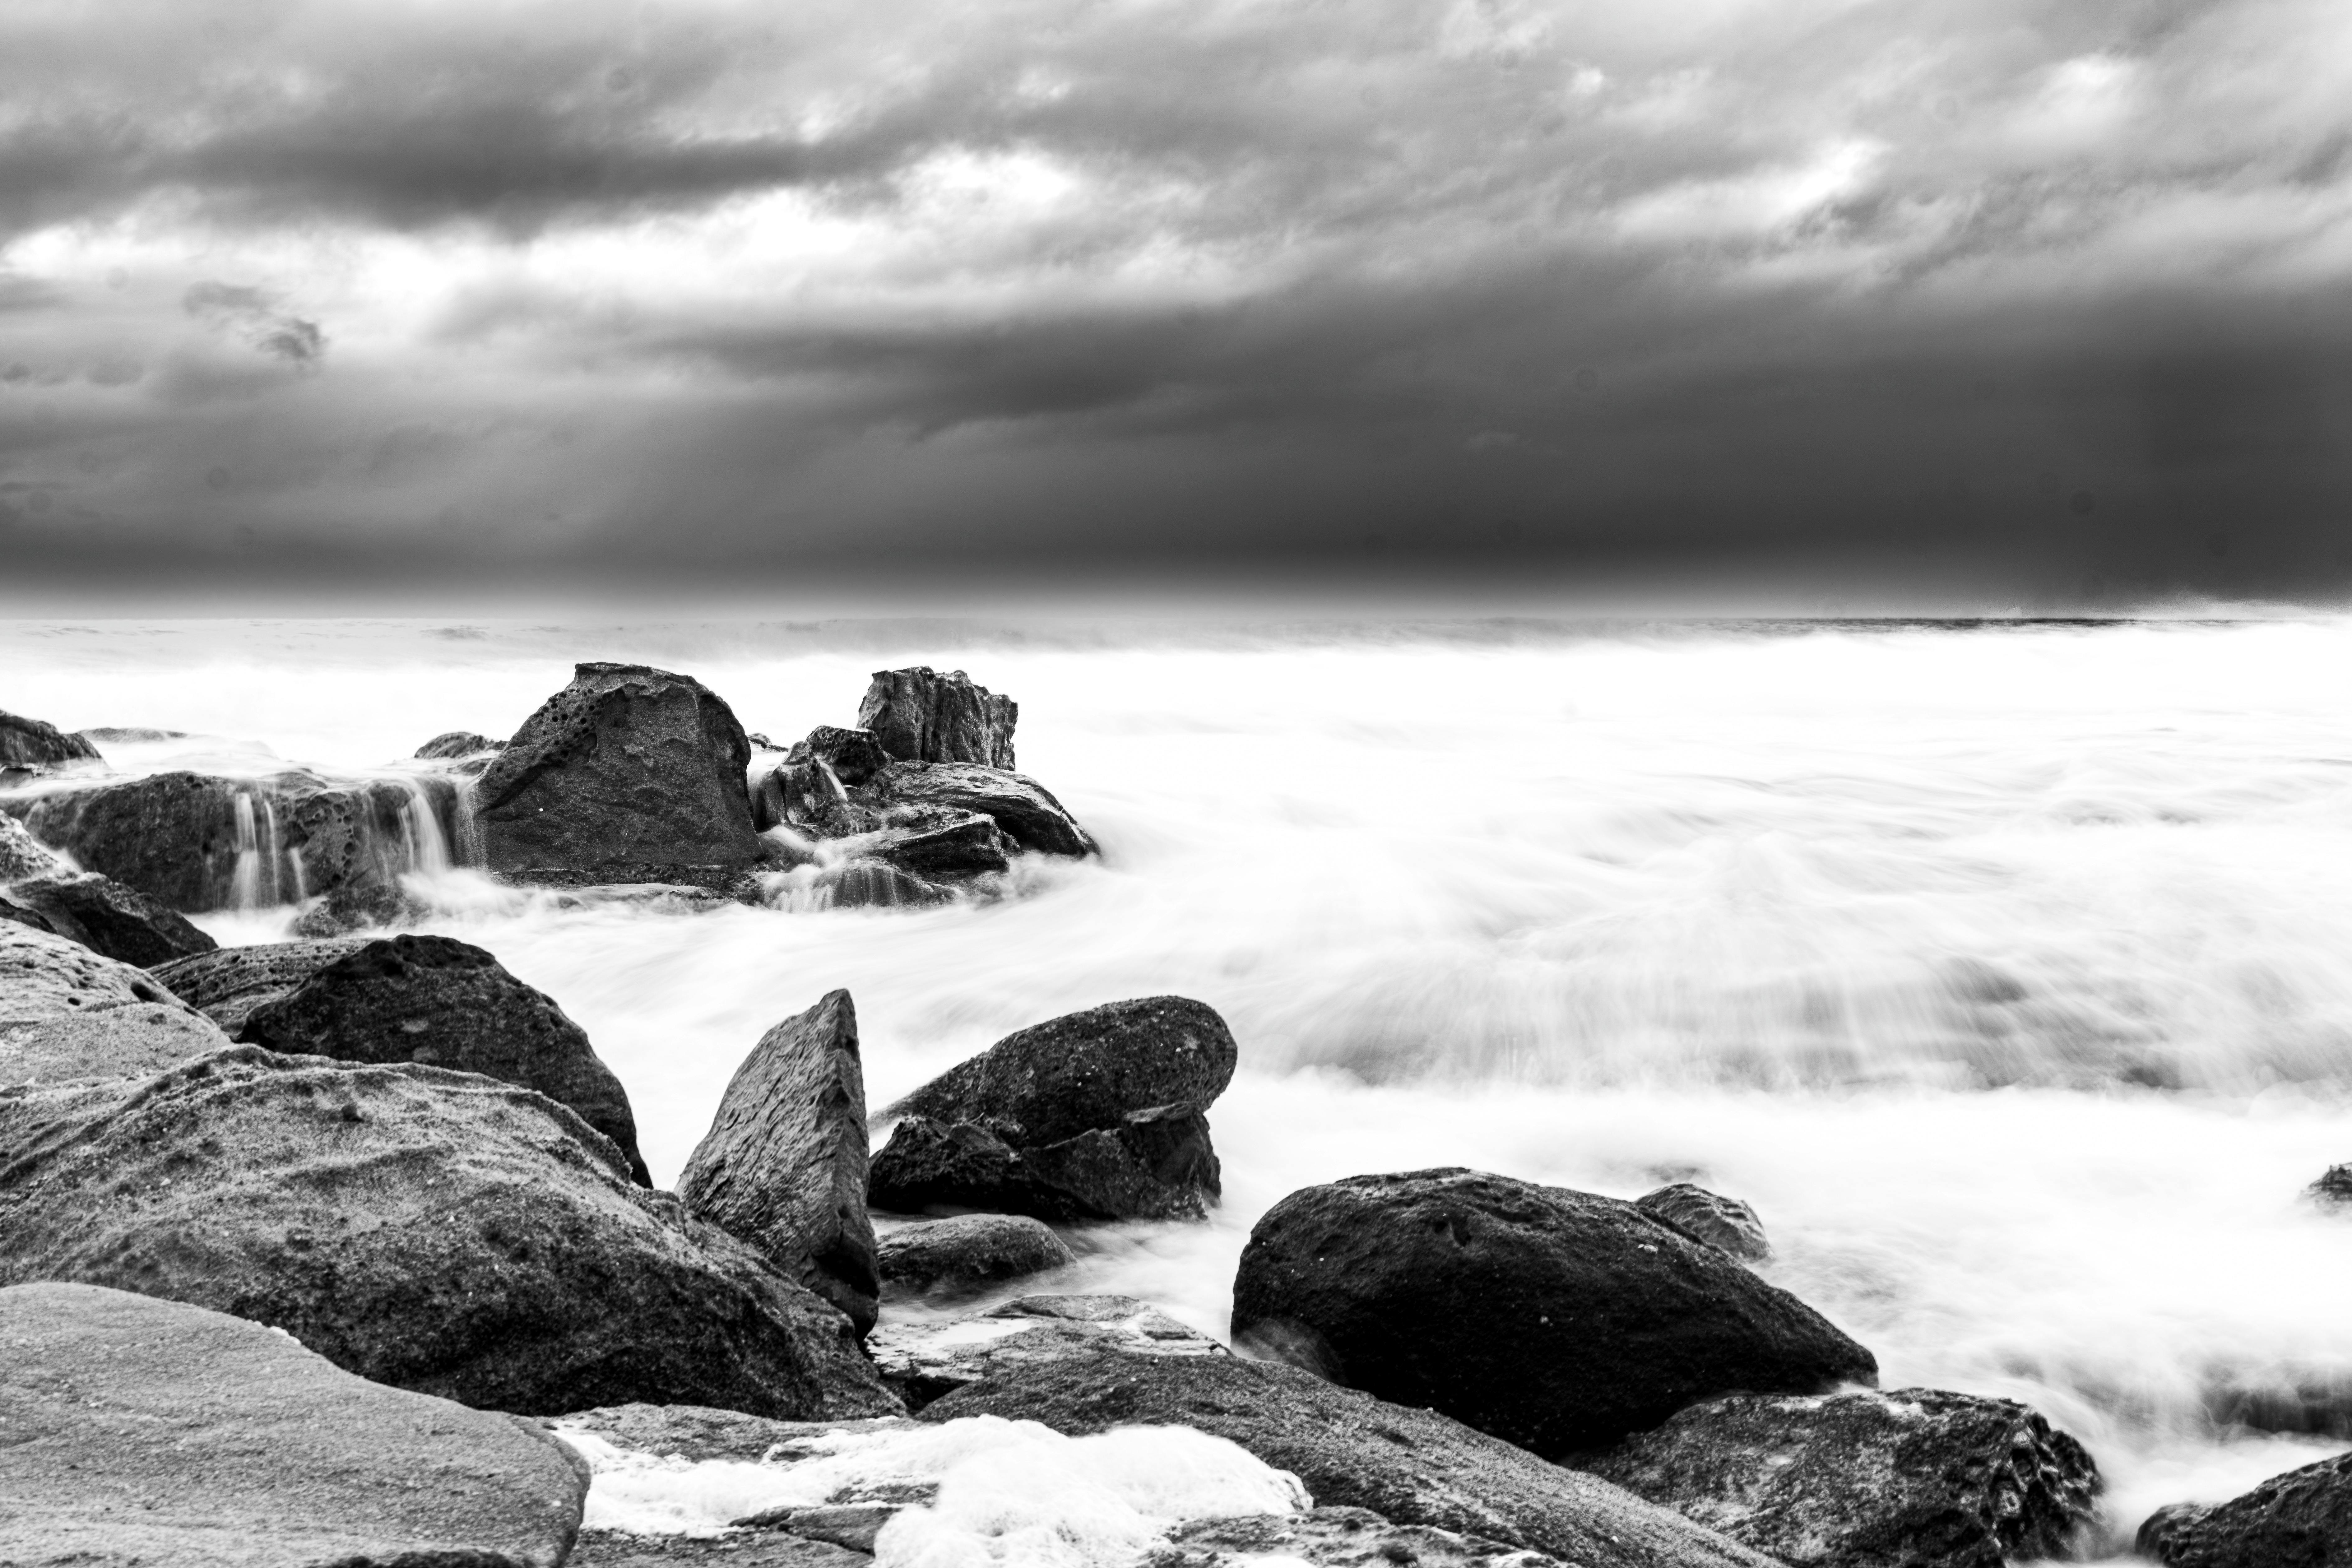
<point>784,1165</point>
<point>433,1230</point>
<point>352,908</point>
<point>921,1361</point>
<point>698,1432</point>
<point>1332,1537</point>
<point>853,755</point>
<point>921,715</point>
<point>33,744</point>
<point>945,1258</point>
<point>1409,1465</point>
<point>628,775</point>
<point>1555,1320</point>
<point>456,744</point>
<point>43,976</point>
<point>1917,1478</point>
<point>853,1525</point>
<point>1023,809</point>
<point>144,1431</point>
<point>2300,1519</point>
<point>22,855</point>
<point>2334,1188</point>
<point>444,1003</point>
<point>803,793</point>
<point>1710,1217</point>
<point>25,915</point>
<point>109,918</point>
<point>860,885</point>
<point>735,1549</point>
<point>942,847</point>
<point>1155,1164</point>
<point>228,983</point>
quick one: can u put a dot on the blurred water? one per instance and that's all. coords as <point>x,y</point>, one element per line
<point>2001,968</point>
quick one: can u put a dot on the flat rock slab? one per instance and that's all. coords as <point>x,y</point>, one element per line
<point>1023,809</point>
<point>144,1432</point>
<point>698,1432</point>
<point>1333,1538</point>
<point>736,1549</point>
<point>924,1361</point>
<point>941,1259</point>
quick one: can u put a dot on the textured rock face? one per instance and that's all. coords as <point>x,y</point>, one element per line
<point>432,1230</point>
<point>456,743</point>
<point>1332,1537</point>
<point>44,975</point>
<point>1409,1465</point>
<point>135,1041</point>
<point>942,846</point>
<point>921,1361</point>
<point>1023,809</point>
<point>1711,1217</point>
<point>1914,1478</point>
<point>228,983</point>
<point>784,1165</point>
<point>853,756</point>
<point>134,1427</point>
<point>109,918</point>
<point>447,1004</point>
<point>2300,1519</point>
<point>36,744</point>
<point>628,775</point>
<point>922,715</point>
<point>21,854</point>
<point>1155,1164</point>
<point>945,1258</point>
<point>1555,1320</point>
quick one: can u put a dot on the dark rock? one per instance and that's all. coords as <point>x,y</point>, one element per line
<point>864,885</point>
<point>43,976</point>
<point>31,743</point>
<point>226,985</point>
<point>2300,1519</point>
<point>1332,1537</point>
<point>434,1230</point>
<point>853,1525</point>
<point>735,1549</point>
<point>784,1165</point>
<point>132,734</point>
<point>803,794</point>
<point>1084,1070</point>
<point>2334,1188</point>
<point>921,1361</point>
<point>1023,808</point>
<point>143,1431</point>
<point>853,756</point>
<point>628,775</point>
<point>1555,1320</point>
<point>458,743</point>
<point>25,915</point>
<point>946,1258</point>
<point>447,1003</point>
<point>1710,1217</point>
<point>1914,1478</point>
<point>109,918</point>
<point>697,1432</point>
<point>1410,1466</point>
<point>1155,1164</point>
<point>943,846</point>
<point>922,716</point>
<point>22,855</point>
<point>351,908</point>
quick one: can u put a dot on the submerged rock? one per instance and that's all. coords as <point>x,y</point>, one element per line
<point>144,1431</point>
<point>963,1256</point>
<point>35,745</point>
<point>1710,1217</point>
<point>109,918</point>
<point>444,1003</point>
<point>1555,1320</point>
<point>1155,1164</point>
<point>351,908</point>
<point>1332,1537</point>
<point>784,1165</point>
<point>628,775</point>
<point>920,715</point>
<point>2300,1519</point>
<point>1407,1465</point>
<point>433,1230</point>
<point>942,847</point>
<point>1917,1478</point>
<point>228,983</point>
<point>1022,808</point>
<point>921,1361</point>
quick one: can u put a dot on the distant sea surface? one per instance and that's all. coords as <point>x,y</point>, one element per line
<point>2006,969</point>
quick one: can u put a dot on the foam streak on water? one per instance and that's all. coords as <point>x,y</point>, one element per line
<point>2005,971</point>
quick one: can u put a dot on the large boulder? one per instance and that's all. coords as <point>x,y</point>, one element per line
<point>1711,1217</point>
<point>21,854</point>
<point>145,1431</point>
<point>2300,1519</point>
<point>434,1230</point>
<point>43,976</point>
<point>628,775</point>
<point>1917,1478</point>
<point>1157,1163</point>
<point>109,917</point>
<point>1555,1320</point>
<point>943,1259</point>
<point>67,1013</point>
<point>1407,1465</point>
<point>447,1003</point>
<point>922,1360</point>
<point>784,1165</point>
<point>1023,808</point>
<point>226,985</point>
<point>35,745</point>
<point>922,715</point>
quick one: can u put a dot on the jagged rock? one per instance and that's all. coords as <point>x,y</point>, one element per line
<point>434,1230</point>
<point>43,976</point>
<point>2300,1519</point>
<point>447,1004</point>
<point>1407,1465</point>
<point>456,744</point>
<point>1157,1163</point>
<point>853,756</point>
<point>942,847</point>
<point>1332,1537</point>
<point>1555,1320</point>
<point>225,986</point>
<point>628,775</point>
<point>144,1431</point>
<point>22,855</point>
<point>1917,1478</point>
<point>784,1165</point>
<point>945,1258</point>
<point>33,744</point>
<point>921,1361</point>
<point>1710,1217</point>
<point>1023,808</point>
<point>922,716</point>
<point>109,918</point>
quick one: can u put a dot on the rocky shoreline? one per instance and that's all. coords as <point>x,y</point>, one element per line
<point>341,1250</point>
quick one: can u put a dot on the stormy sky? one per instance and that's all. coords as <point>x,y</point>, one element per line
<point>2056,294</point>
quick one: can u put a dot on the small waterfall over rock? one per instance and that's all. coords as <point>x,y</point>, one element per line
<point>261,855</point>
